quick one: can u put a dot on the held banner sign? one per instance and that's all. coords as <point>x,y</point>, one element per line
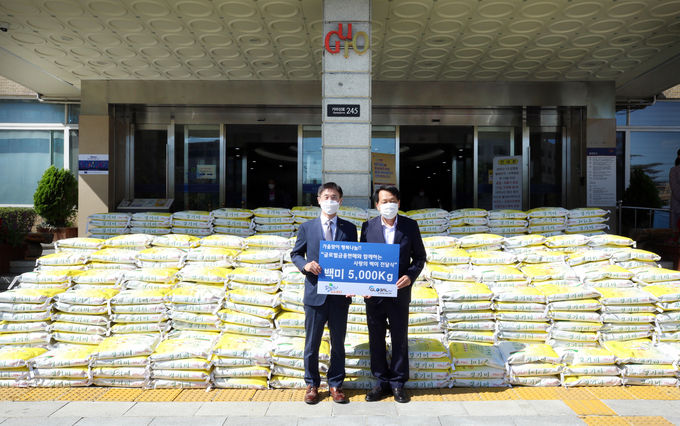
<point>365,269</point>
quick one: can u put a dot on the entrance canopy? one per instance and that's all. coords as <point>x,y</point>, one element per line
<point>50,46</point>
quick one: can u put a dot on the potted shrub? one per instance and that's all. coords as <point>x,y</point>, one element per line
<point>56,201</point>
<point>15,224</point>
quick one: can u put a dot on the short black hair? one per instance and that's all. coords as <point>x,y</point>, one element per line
<point>329,185</point>
<point>389,188</point>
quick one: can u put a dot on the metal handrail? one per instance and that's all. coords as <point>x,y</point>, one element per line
<point>620,207</point>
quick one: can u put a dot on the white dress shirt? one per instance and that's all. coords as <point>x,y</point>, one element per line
<point>324,225</point>
<point>388,231</point>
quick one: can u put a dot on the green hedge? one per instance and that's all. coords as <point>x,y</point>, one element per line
<point>15,223</point>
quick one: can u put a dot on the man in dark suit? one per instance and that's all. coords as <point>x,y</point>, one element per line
<point>320,308</point>
<point>391,228</point>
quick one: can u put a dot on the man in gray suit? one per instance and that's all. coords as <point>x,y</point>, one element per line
<point>320,308</point>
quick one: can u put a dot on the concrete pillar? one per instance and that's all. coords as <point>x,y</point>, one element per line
<point>346,98</point>
<point>93,190</point>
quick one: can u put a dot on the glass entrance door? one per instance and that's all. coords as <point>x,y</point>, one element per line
<point>197,167</point>
<point>149,161</point>
<point>546,169</point>
<point>490,142</point>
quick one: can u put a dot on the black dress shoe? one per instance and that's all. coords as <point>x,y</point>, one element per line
<point>400,395</point>
<point>376,394</point>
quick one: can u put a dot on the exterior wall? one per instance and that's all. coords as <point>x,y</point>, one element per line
<point>8,88</point>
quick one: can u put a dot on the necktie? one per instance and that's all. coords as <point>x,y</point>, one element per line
<point>328,234</point>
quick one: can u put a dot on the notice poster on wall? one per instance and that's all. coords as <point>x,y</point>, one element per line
<point>601,174</point>
<point>384,169</point>
<point>93,164</point>
<point>507,182</point>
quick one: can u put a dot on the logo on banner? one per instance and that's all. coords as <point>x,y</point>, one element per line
<point>337,36</point>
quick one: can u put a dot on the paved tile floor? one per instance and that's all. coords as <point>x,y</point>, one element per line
<point>516,406</point>
<point>503,412</point>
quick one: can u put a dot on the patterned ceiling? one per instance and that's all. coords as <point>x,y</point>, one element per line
<point>463,40</point>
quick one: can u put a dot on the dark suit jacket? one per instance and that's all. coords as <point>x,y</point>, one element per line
<point>306,249</point>
<point>412,254</point>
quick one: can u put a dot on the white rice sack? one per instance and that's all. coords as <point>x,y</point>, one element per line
<point>468,212</point>
<point>81,243</point>
<point>467,230</point>
<point>133,241</point>
<point>507,215</point>
<point>62,259</point>
<point>566,241</point>
<point>440,242</point>
<point>271,212</point>
<point>611,240</point>
<point>232,213</point>
<point>223,241</point>
<point>547,212</point>
<point>307,212</point>
<point>477,240</point>
<point>233,231</point>
<point>234,223</point>
<point>268,241</point>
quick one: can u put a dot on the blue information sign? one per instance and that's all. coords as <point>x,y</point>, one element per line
<point>364,269</point>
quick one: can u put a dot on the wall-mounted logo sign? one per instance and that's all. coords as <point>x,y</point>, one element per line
<point>354,40</point>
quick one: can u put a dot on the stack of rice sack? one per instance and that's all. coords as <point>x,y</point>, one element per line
<point>644,364</point>
<point>587,220</point>
<point>356,319</point>
<point>468,221</point>
<point>47,279</point>
<point>183,361</point>
<point>500,276</point>
<point>481,242</point>
<point>429,363</point>
<point>150,278</point>
<point>233,221</point>
<point>233,243</point>
<point>302,214</point>
<point>65,366</point>
<point>107,225</point>
<point>196,299</point>
<point>521,245</point>
<point>667,327</point>
<point>292,288</point>
<point>123,360</point>
<point>25,316</point>
<point>627,313</point>
<point>531,364</point>
<point>82,315</point>
<point>423,317</point>
<point>355,215</point>
<point>274,221</point>
<point>192,222</point>
<point>521,314</point>
<point>264,251</point>
<point>252,302</point>
<point>62,260</point>
<point>241,362</point>
<point>574,312</point>
<point>547,221</point>
<point>357,362</point>
<point>508,223</point>
<point>589,367</point>
<point>78,245</point>
<point>465,304</point>
<point>99,278</point>
<point>288,357</point>
<point>14,365</point>
<point>567,243</point>
<point>120,252</point>
<point>430,221</point>
<point>477,365</point>
<point>656,276</point>
<point>151,223</point>
<point>176,241</point>
<point>634,260</point>
<point>140,311</point>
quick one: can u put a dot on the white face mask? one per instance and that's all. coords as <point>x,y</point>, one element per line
<point>271,186</point>
<point>330,207</point>
<point>389,210</point>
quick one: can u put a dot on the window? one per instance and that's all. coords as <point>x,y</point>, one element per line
<point>24,157</point>
<point>659,114</point>
<point>31,112</point>
<point>654,153</point>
